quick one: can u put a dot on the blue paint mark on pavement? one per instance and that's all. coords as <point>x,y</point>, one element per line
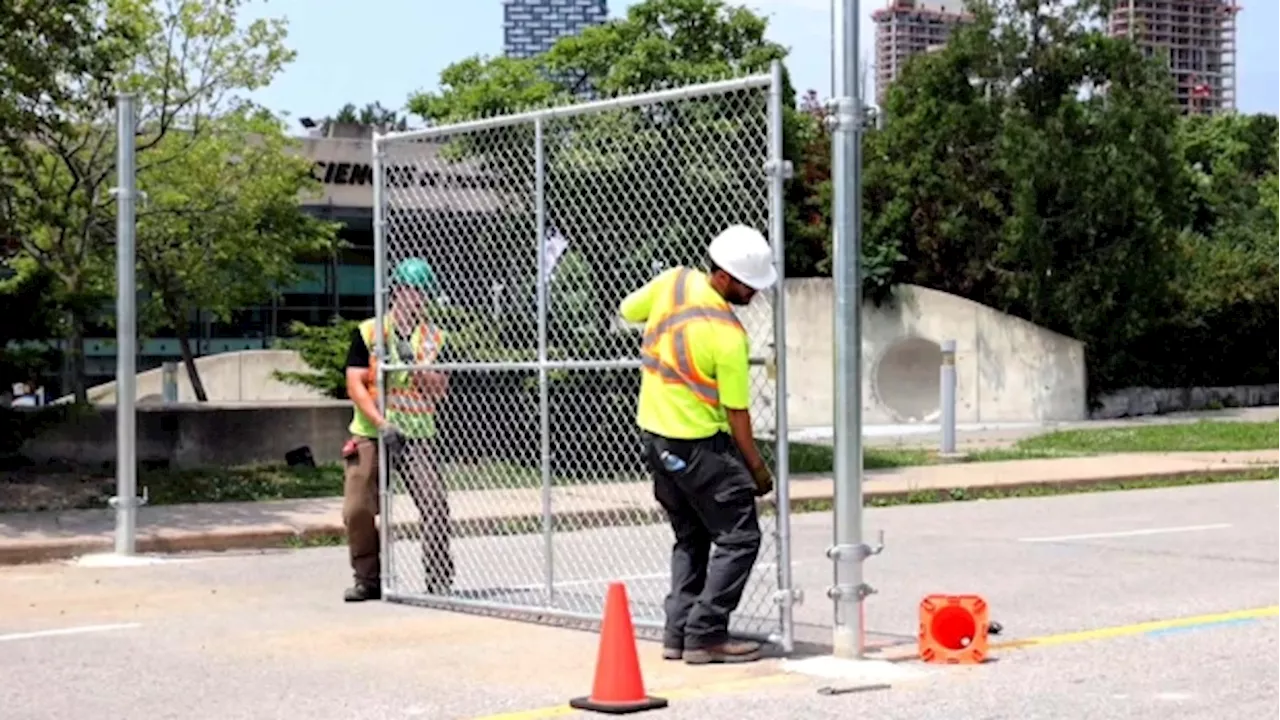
<point>1201,626</point>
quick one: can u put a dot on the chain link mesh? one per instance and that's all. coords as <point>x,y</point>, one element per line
<point>532,496</point>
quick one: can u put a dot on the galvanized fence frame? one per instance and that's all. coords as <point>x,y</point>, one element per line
<point>574,521</point>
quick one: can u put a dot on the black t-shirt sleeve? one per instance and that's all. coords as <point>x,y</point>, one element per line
<point>357,354</point>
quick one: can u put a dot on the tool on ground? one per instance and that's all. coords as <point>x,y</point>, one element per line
<point>830,690</point>
<point>954,629</point>
<point>618,688</point>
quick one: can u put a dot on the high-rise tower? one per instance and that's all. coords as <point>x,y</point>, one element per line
<point>1198,40</point>
<point>530,27</point>
<point>905,28</point>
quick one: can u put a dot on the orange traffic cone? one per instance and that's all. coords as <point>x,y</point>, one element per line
<point>618,688</point>
<point>953,629</point>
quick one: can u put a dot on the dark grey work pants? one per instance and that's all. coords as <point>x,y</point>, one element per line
<point>709,501</point>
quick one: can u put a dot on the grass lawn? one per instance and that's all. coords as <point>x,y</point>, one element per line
<point>1202,436</point>
<point>276,482</point>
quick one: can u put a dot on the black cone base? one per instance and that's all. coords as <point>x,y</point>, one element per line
<point>649,703</point>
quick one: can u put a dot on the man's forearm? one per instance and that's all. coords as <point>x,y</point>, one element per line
<point>744,438</point>
<point>365,402</point>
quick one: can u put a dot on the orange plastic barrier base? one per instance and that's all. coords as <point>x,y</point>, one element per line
<point>953,629</point>
<point>619,687</point>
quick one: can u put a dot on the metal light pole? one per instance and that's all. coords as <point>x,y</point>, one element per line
<point>848,550</point>
<point>126,499</point>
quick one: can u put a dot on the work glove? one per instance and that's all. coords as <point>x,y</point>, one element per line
<point>764,480</point>
<point>392,439</point>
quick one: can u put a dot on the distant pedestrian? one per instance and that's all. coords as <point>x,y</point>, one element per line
<point>408,430</point>
<point>699,446</point>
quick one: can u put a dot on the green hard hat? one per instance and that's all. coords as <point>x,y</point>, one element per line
<point>414,273</point>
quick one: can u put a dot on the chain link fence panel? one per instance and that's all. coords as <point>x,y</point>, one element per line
<point>531,495</point>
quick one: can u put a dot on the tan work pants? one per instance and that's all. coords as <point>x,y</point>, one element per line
<point>360,507</point>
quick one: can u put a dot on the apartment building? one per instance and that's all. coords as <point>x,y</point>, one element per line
<point>530,27</point>
<point>905,28</point>
<point>1198,40</point>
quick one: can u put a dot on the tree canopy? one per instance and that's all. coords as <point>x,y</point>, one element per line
<point>190,64</point>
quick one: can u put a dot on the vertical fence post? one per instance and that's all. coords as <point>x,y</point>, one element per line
<point>126,499</point>
<point>848,550</point>
<point>779,171</point>
<point>385,524</point>
<point>544,392</point>
<point>947,401</point>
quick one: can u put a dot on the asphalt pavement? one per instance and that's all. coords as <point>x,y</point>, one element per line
<point>265,634</point>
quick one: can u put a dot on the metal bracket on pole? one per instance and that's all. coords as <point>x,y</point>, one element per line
<point>840,115</point>
<point>794,596</point>
<point>771,169</point>
<point>854,553</point>
<point>116,502</point>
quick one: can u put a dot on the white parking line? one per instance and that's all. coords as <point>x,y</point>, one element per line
<point>67,631</point>
<point>1127,533</point>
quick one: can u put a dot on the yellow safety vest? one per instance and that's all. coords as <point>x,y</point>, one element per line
<point>666,357</point>
<point>409,410</point>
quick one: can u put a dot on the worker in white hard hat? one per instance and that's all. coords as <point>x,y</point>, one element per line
<point>694,416</point>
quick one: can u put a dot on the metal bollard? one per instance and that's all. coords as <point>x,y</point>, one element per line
<point>948,399</point>
<point>169,382</point>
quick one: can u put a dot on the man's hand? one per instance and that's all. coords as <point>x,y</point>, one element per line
<point>393,438</point>
<point>764,480</point>
<point>431,383</point>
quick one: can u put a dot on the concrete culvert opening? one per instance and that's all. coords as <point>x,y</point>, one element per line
<point>907,381</point>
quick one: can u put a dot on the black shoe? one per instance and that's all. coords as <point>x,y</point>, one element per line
<point>995,628</point>
<point>363,591</point>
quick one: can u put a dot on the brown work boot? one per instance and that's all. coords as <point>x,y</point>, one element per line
<point>733,651</point>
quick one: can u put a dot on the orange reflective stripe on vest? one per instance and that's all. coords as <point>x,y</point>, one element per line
<point>405,399</point>
<point>680,369</point>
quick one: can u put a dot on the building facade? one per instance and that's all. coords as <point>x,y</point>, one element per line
<point>531,27</point>
<point>905,28</point>
<point>447,203</point>
<point>1198,40</point>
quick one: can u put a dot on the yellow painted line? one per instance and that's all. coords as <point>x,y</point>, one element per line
<point>1139,628</point>
<point>720,688</point>
<point>732,686</point>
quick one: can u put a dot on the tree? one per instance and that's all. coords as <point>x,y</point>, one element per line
<point>223,228</point>
<point>42,44</point>
<point>324,349</point>
<point>1220,328</point>
<point>187,60</point>
<point>31,318</point>
<point>372,114</point>
<point>650,168</point>
<point>1031,165</point>
<point>658,44</point>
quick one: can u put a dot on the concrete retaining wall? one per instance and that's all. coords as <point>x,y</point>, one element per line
<point>1007,369</point>
<point>195,435</point>
<point>244,376</point>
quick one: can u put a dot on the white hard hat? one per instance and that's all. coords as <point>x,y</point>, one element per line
<point>743,252</point>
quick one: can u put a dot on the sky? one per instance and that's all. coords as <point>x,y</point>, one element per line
<point>389,50</point>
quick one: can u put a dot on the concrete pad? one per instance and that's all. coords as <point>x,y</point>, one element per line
<point>109,560</point>
<point>854,672</point>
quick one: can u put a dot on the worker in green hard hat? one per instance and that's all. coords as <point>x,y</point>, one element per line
<point>408,429</point>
